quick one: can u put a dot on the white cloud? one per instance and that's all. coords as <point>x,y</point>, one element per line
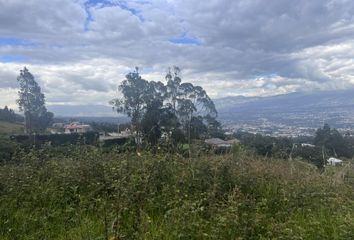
<point>8,97</point>
<point>248,47</point>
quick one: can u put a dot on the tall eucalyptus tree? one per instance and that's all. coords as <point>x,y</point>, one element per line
<point>156,108</point>
<point>32,102</point>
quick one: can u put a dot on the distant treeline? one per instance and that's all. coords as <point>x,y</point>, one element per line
<point>9,115</point>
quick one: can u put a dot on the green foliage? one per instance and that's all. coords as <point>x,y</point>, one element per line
<point>151,122</point>
<point>118,142</point>
<point>312,155</point>
<point>214,127</point>
<point>266,145</point>
<point>137,93</point>
<point>83,193</point>
<point>197,128</point>
<point>7,149</point>
<point>32,102</point>
<point>177,137</point>
<point>332,141</point>
<point>329,143</point>
<point>158,110</point>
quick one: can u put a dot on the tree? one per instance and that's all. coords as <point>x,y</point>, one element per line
<point>189,102</point>
<point>214,127</point>
<point>137,94</point>
<point>186,98</point>
<point>31,101</point>
<point>197,128</point>
<point>323,135</point>
<point>311,154</point>
<point>159,110</point>
<point>332,141</point>
<point>151,123</point>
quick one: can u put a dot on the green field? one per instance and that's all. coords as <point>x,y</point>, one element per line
<point>84,193</point>
<point>10,128</point>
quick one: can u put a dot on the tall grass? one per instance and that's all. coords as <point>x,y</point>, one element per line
<point>83,193</point>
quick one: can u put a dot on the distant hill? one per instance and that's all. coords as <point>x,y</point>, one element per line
<point>308,109</point>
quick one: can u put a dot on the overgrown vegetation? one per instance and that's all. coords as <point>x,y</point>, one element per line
<point>327,142</point>
<point>164,188</point>
<point>81,192</point>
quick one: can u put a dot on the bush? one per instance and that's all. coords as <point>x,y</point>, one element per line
<point>7,149</point>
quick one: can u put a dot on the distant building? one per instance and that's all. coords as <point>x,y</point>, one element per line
<point>76,127</point>
<point>334,161</point>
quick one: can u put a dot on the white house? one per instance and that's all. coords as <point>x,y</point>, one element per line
<point>334,161</point>
<point>76,127</point>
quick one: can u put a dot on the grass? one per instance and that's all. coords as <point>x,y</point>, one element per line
<point>83,193</point>
<point>10,128</point>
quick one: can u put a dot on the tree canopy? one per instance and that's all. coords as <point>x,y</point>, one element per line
<point>31,101</point>
<point>332,141</point>
<point>168,109</point>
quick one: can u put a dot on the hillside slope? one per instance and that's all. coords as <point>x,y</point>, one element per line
<point>10,128</point>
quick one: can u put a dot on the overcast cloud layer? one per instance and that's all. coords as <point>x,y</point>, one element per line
<point>79,51</point>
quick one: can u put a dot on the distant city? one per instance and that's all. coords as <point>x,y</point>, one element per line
<point>291,115</point>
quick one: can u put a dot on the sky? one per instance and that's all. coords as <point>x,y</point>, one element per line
<point>80,50</point>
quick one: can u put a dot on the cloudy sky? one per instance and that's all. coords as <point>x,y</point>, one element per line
<point>80,50</point>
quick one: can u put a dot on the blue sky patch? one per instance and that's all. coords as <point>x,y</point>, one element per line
<point>185,41</point>
<point>13,58</point>
<point>5,41</point>
<point>109,3</point>
<point>146,70</point>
